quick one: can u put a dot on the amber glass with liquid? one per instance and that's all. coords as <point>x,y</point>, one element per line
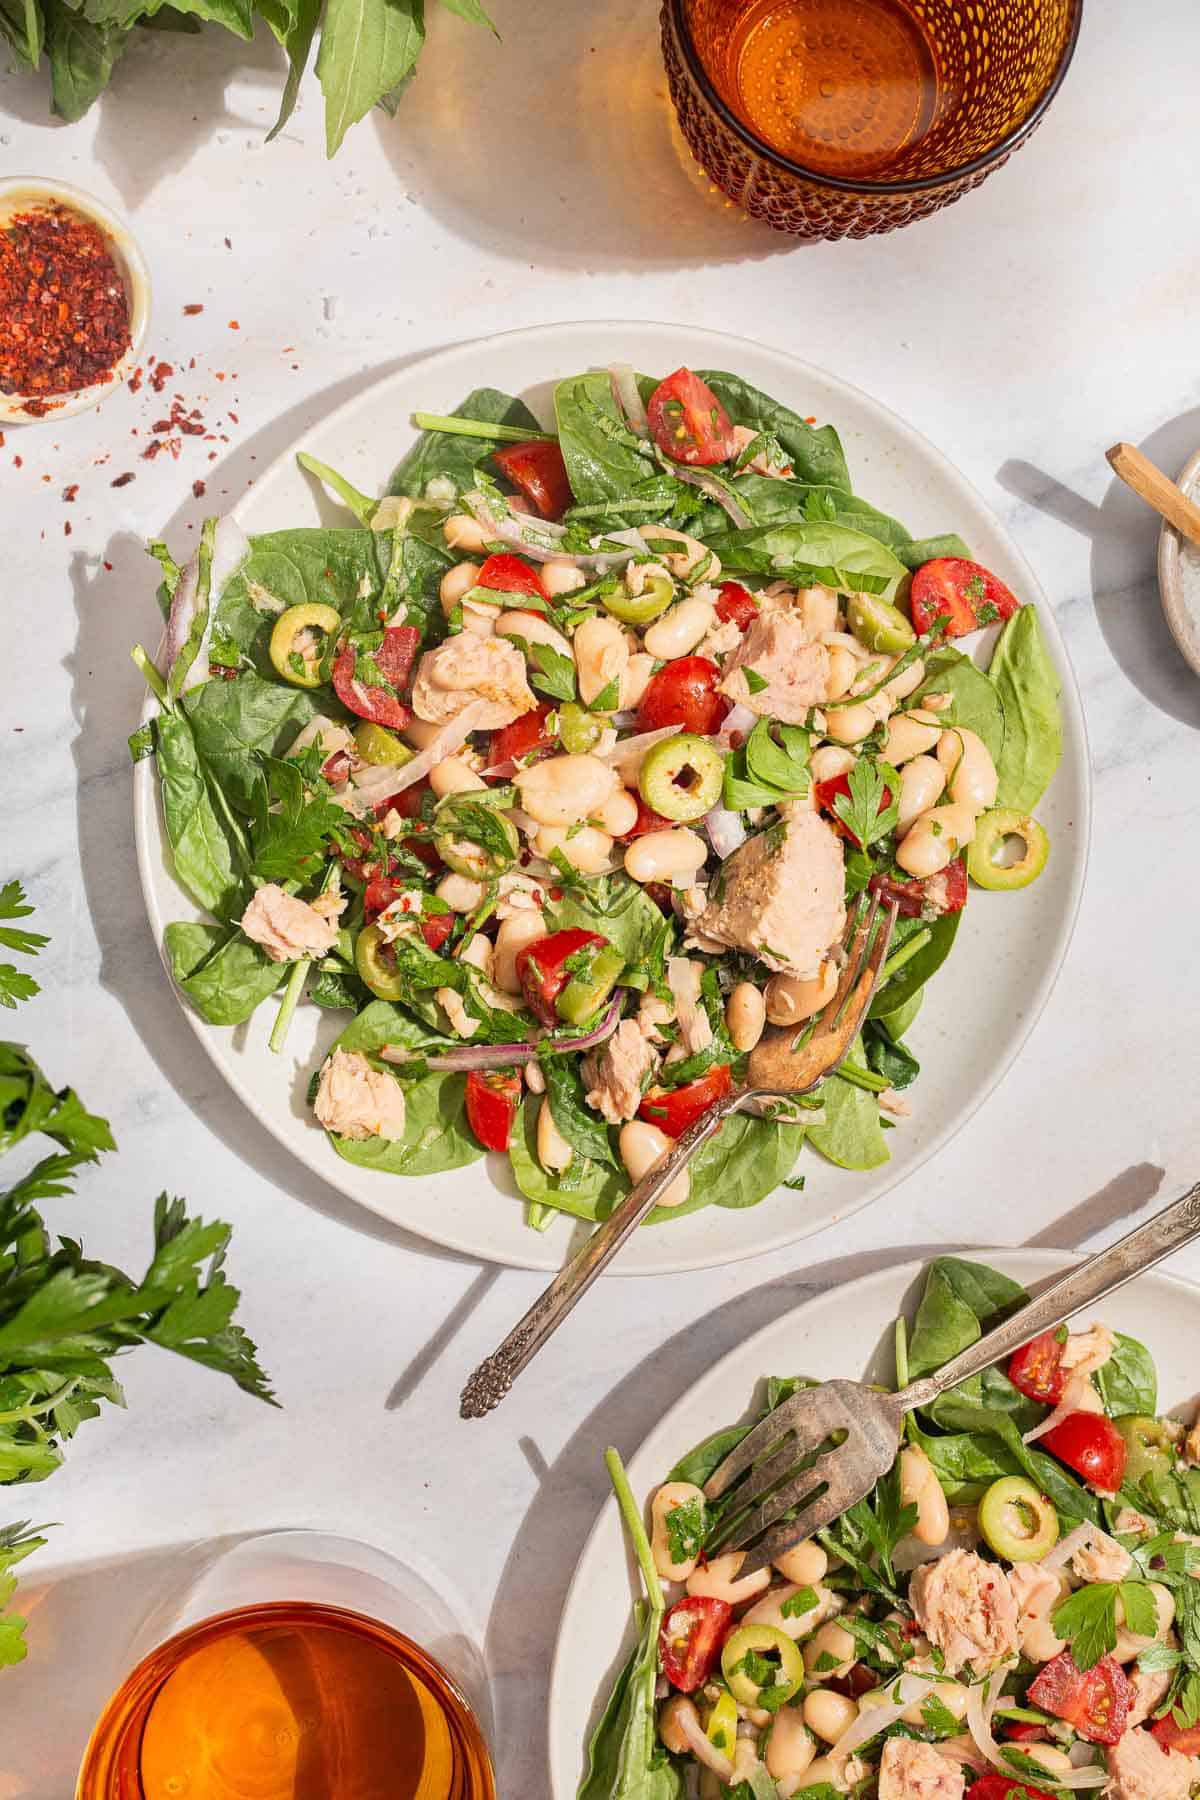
<point>287,1701</point>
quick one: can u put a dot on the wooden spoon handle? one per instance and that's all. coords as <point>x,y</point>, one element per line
<point>1156,489</point>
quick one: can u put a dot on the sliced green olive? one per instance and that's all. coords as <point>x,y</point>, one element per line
<point>376,964</point>
<point>878,624</point>
<point>1148,1446</point>
<point>474,838</point>
<point>720,1727</point>
<point>758,1645</point>
<point>639,609</point>
<point>375,744</point>
<point>578,728</point>
<point>298,642</point>
<point>1017,1520</point>
<point>681,777</point>
<point>991,841</point>
<point>590,986</point>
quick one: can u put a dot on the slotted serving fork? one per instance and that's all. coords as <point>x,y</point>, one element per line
<point>784,1064</point>
<point>793,1485</point>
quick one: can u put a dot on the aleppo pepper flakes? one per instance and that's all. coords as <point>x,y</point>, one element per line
<point>64,315</point>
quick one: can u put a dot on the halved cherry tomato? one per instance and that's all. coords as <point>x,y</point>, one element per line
<point>1019,1732</point>
<point>1005,1787</point>
<point>1170,1736</point>
<point>1095,1701</point>
<point>737,603</point>
<point>394,658</point>
<point>967,593</point>
<point>492,1100</point>
<point>1092,1446</point>
<point>538,469</point>
<point>378,895</point>
<point>1036,1369</point>
<point>690,1639</point>
<point>436,928</point>
<point>647,820</point>
<point>523,735</point>
<point>932,895</point>
<point>507,574</point>
<point>688,422</point>
<point>663,896</point>
<point>541,970</point>
<point>684,693</point>
<point>674,1109</point>
<point>826,792</point>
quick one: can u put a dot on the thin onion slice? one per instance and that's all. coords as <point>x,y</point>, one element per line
<point>874,1719</point>
<point>632,750</point>
<point>726,831</point>
<point>1080,1396</point>
<point>505,1056</point>
<point>1079,1539</point>
<point>628,398</point>
<point>381,781</point>
<point>739,721</point>
<point>981,1704</point>
<point>230,549</point>
<point>739,518</point>
<point>702,1746</point>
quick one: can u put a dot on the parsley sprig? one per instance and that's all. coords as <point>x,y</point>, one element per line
<point>863,810</point>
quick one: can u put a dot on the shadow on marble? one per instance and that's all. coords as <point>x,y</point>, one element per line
<point>596,174</point>
<point>1124,566</point>
<point>105,712</point>
<point>1115,1203</point>
<point>406,1385</point>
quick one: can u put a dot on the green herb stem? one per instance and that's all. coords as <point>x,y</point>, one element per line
<point>289,1003</point>
<point>480,428</point>
<point>150,675</point>
<point>901,1340</point>
<point>904,954</point>
<point>634,1526</point>
<point>863,1078</point>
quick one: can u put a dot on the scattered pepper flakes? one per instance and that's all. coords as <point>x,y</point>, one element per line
<point>123,480</point>
<point>70,492</point>
<point>198,488</point>
<point>160,376</point>
<point>135,380</point>
<point>192,308</point>
<point>64,313</point>
<point>66,527</point>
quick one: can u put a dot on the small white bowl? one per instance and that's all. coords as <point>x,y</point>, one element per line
<point>18,193</point>
<point>1179,574</point>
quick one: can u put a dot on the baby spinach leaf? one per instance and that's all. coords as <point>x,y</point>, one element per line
<point>815,451</point>
<point>1128,1381</point>
<point>1028,687</point>
<point>616,907</point>
<point>224,975</point>
<point>923,550</point>
<point>975,703</point>
<point>968,1462</point>
<point>747,1160</point>
<point>992,1389</point>
<point>342,567</point>
<point>769,501</point>
<point>233,721</point>
<point>443,453</point>
<point>583,1129</point>
<point>204,843</point>
<point>897,1022</point>
<point>961,1301</point>
<point>889,1057</point>
<point>849,1132</point>
<point>811,551</point>
<point>900,988</point>
<point>588,1189</point>
<point>604,459</point>
<point>291,829</point>
<point>436,1134</point>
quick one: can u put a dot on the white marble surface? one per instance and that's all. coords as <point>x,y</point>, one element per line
<point>1023,330</point>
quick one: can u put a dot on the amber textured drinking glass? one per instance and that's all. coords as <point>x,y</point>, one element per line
<point>840,118</point>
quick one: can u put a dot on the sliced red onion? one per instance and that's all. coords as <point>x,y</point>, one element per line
<point>506,1056</point>
<point>702,1746</point>
<point>381,781</point>
<point>231,547</point>
<point>628,398</point>
<point>725,831</point>
<point>739,721</point>
<point>739,518</point>
<point>632,750</point>
<point>1080,1396</point>
<point>538,539</point>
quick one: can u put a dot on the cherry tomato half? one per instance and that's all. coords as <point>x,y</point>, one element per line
<point>688,422</point>
<point>1036,1369</point>
<point>690,1640</point>
<point>538,469</point>
<point>647,820</point>
<point>492,1099</point>
<point>1092,1446</point>
<point>527,733</point>
<point>1005,1787</point>
<point>737,603</point>
<point>507,574</point>
<point>394,659</point>
<point>1018,1731</point>
<point>929,895</point>
<point>674,1109</point>
<point>1170,1736</point>
<point>1095,1701</point>
<point>684,693</point>
<point>967,593</point>
<point>826,792</point>
<point>541,969</point>
<point>378,895</point>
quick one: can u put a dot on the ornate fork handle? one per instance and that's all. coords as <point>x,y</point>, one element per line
<point>1101,1275</point>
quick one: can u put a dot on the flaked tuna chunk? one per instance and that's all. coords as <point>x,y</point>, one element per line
<point>966,1607</point>
<point>781,895</point>
<point>1138,1769</point>
<point>614,1076</point>
<point>777,671</point>
<point>288,928</point>
<point>356,1100</point>
<point>911,1770</point>
<point>466,668</point>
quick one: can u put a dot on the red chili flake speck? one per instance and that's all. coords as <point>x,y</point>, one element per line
<point>70,492</point>
<point>198,489</point>
<point>135,380</point>
<point>234,419</point>
<point>108,566</point>
<point>234,326</point>
<point>18,462</point>
<point>66,527</point>
<point>192,308</point>
<point>160,376</point>
<point>123,480</point>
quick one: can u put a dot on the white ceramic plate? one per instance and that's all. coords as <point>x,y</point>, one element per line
<point>1006,957</point>
<point>847,1332</point>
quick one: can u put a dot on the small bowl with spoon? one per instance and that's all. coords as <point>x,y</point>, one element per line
<point>1178,503</point>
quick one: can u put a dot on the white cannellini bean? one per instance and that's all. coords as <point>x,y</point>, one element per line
<point>791,1748</point>
<point>462,532</point>
<point>641,1145</point>
<point>680,629</point>
<point>513,936</point>
<point>829,761</point>
<point>586,849</point>
<point>921,784</point>
<point>769,1611</point>
<point>561,576</point>
<point>745,1015</point>
<point>690,555</point>
<point>829,1714</point>
<point>455,583</point>
<point>602,652</point>
<point>830,1639</point>
<point>454,776</point>
<point>478,952</point>
<point>564,790</point>
<point>907,737</point>
<point>533,628</point>
<point>818,607</point>
<point>1048,1757</point>
<point>635,679</point>
<point>805,1563</point>
<point>907,681</point>
<point>669,1731</point>
<point>674,856</point>
<point>553,1151</point>
<point>420,732</point>
<point>846,640</point>
<point>619,813</point>
<point>851,724</point>
<point>935,839</point>
<point>718,1577</point>
<point>793,998</point>
<point>820,1772</point>
<point>670,1496</point>
<point>920,1487</point>
<point>461,894</point>
<point>1129,1643</point>
<point>970,771</point>
<point>843,667</point>
<point>535,1081</point>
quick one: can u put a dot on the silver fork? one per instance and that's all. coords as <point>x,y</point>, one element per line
<point>784,1064</point>
<point>784,1461</point>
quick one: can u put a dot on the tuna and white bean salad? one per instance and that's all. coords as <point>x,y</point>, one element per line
<point>559,767</point>
<point>1012,1614</point>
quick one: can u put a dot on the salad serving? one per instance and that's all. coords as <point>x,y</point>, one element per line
<point>558,769</point>
<point>1010,1615</point>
